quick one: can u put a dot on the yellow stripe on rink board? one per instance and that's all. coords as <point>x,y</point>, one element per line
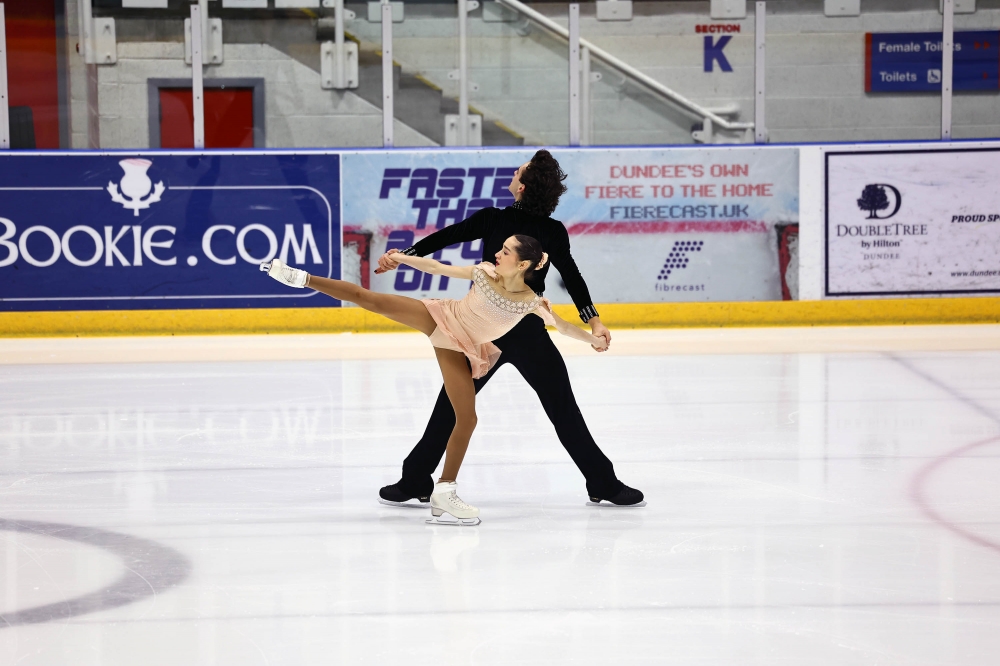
<point>614,315</point>
<point>194,322</point>
<point>803,313</point>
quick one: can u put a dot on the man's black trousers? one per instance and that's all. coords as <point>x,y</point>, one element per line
<point>528,348</point>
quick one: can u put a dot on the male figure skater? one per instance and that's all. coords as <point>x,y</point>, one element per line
<point>536,186</point>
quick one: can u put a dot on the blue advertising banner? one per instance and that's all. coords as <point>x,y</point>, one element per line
<point>911,61</point>
<point>96,231</point>
<point>645,224</point>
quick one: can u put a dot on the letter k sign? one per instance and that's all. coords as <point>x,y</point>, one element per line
<point>713,53</point>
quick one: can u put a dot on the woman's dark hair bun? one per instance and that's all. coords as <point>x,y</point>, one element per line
<point>543,184</point>
<point>529,249</point>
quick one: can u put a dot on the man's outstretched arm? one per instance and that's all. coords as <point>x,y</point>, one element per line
<point>472,228</point>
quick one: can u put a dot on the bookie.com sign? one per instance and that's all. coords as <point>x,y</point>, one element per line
<point>919,222</point>
<point>88,231</point>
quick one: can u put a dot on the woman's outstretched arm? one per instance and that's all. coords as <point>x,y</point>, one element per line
<point>433,266</point>
<point>569,330</point>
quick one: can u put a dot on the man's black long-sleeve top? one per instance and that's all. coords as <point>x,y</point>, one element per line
<point>495,226</point>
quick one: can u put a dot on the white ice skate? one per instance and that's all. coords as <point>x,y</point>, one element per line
<point>285,274</point>
<point>445,500</point>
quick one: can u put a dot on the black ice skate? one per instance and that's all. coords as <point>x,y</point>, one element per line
<point>394,495</point>
<point>627,498</point>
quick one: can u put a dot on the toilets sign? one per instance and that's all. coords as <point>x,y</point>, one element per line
<point>912,61</point>
<point>85,231</point>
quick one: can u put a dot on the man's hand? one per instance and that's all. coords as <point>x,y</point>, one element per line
<point>386,263</point>
<point>601,331</point>
<point>602,344</point>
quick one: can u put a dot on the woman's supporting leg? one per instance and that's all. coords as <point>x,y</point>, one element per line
<point>462,394</point>
<point>407,311</point>
<point>454,367</point>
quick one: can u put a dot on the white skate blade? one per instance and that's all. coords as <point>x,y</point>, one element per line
<point>413,504</point>
<point>451,521</point>
<point>609,505</point>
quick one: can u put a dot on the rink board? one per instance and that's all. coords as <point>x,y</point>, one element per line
<point>913,222</point>
<point>661,235</point>
<point>164,230</point>
<point>646,225</point>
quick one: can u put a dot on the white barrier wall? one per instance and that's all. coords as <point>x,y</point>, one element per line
<point>188,228</point>
<point>933,230</point>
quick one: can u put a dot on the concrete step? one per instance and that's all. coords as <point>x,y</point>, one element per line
<point>419,103</point>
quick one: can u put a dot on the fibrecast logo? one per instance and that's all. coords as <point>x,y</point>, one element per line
<point>677,260</point>
<point>136,192</point>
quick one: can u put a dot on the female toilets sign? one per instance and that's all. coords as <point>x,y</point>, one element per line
<point>85,231</point>
<point>911,61</point>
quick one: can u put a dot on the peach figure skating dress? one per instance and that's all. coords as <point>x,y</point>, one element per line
<point>472,324</point>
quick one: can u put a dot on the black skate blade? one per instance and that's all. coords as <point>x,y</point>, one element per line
<point>410,504</point>
<point>609,505</point>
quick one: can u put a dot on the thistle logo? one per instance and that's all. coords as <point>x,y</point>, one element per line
<point>135,185</point>
<point>874,199</point>
<point>678,259</point>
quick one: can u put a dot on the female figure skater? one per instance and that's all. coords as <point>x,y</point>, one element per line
<point>462,333</point>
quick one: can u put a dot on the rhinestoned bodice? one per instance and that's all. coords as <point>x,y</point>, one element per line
<point>493,306</point>
<point>470,325</point>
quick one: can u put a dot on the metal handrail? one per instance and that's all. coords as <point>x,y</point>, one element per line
<point>597,52</point>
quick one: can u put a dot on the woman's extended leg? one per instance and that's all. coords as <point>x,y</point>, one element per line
<point>407,311</point>
<point>462,394</point>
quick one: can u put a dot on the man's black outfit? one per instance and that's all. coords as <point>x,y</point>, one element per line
<point>527,347</point>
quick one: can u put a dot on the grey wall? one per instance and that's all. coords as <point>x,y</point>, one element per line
<point>298,112</point>
<point>815,75</point>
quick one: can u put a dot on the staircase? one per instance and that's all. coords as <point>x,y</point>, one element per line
<point>417,102</point>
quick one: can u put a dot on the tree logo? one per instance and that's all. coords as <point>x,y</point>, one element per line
<point>874,198</point>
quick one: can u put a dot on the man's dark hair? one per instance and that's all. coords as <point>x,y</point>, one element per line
<point>542,180</point>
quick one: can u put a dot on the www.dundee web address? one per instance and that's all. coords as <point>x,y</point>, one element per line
<point>975,273</point>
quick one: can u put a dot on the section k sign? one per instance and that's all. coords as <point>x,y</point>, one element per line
<point>86,231</point>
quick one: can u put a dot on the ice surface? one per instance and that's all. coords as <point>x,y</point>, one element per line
<point>803,509</point>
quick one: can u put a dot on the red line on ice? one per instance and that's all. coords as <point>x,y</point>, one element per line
<point>917,493</point>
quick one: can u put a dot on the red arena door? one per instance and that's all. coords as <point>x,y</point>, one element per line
<point>228,118</point>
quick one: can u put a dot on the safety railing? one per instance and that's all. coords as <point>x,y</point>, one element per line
<point>711,118</point>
